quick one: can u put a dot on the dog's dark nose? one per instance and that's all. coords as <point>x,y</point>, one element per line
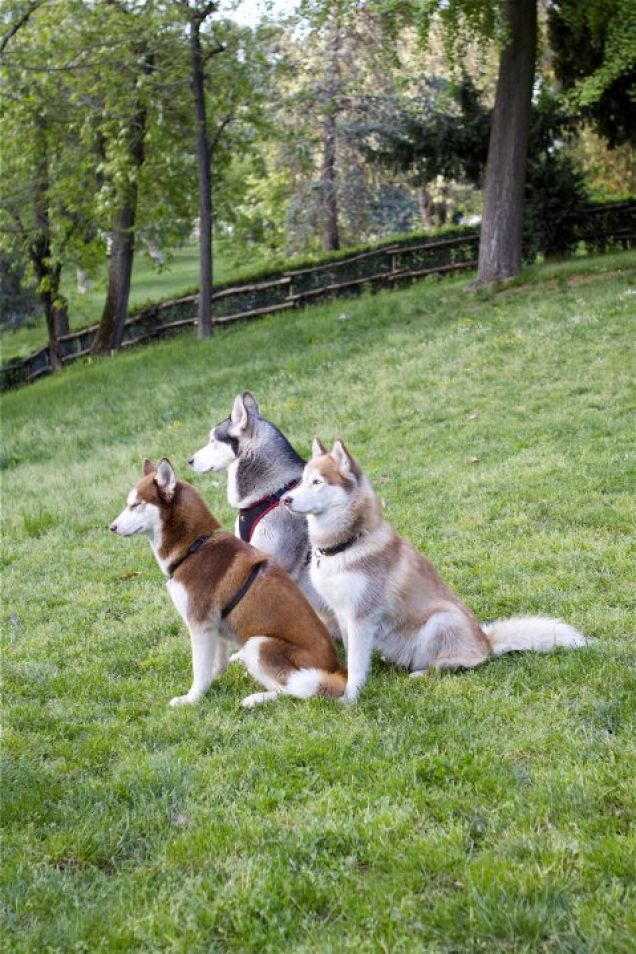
<point>191,461</point>
<point>113,528</point>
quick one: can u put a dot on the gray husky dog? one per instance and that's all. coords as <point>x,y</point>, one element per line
<point>262,466</point>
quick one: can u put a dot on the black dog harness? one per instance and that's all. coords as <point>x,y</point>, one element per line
<point>198,543</point>
<point>240,593</point>
<point>249,517</point>
<point>242,590</point>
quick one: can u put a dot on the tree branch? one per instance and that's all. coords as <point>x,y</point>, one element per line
<point>220,48</point>
<point>205,11</point>
<point>20,22</point>
<point>227,119</point>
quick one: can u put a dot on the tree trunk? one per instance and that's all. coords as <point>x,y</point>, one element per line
<point>502,220</point>
<point>48,275</point>
<point>62,326</point>
<point>424,203</point>
<point>330,235</point>
<point>111,326</point>
<point>49,282</point>
<point>60,306</point>
<point>204,159</point>
<point>329,175</point>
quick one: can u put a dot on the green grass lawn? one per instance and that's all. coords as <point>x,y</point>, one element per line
<point>489,811</point>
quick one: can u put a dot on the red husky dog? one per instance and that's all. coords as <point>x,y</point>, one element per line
<point>226,591</point>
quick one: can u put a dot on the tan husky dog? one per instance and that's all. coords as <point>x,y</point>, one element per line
<point>388,596</point>
<point>228,592</point>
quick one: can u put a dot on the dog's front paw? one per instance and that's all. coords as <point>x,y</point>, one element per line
<point>258,698</point>
<point>186,700</point>
<point>349,696</point>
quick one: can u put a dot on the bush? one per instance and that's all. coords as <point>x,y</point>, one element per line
<point>18,301</point>
<point>554,186</point>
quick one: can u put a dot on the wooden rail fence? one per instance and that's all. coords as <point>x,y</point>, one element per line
<point>599,227</point>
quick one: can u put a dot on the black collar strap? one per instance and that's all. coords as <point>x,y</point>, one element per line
<point>249,517</point>
<point>198,543</point>
<point>339,547</point>
<point>240,593</point>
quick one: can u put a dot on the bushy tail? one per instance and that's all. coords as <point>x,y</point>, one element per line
<point>317,682</point>
<point>538,634</point>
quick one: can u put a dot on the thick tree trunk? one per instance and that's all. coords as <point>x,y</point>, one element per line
<point>111,326</point>
<point>502,219</point>
<point>204,159</point>
<point>330,234</point>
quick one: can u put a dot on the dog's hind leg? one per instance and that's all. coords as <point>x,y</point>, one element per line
<point>283,670</point>
<point>265,659</point>
<point>449,640</point>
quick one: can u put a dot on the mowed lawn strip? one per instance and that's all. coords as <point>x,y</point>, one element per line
<point>486,811</point>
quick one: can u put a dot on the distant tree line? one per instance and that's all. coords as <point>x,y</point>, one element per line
<point>128,123</point>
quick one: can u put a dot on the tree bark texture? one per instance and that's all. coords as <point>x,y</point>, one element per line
<point>502,219</point>
<point>204,159</point>
<point>122,251</point>
<point>330,234</point>
<point>329,175</point>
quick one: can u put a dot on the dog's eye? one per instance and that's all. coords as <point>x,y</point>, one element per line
<point>135,505</point>
<point>316,481</point>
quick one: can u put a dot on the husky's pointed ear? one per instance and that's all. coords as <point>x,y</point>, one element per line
<point>239,414</point>
<point>166,479</point>
<point>249,402</point>
<point>317,447</point>
<point>346,464</point>
<point>148,467</point>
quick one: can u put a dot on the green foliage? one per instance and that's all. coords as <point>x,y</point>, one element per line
<point>441,131</point>
<point>555,187</point>
<point>485,811</point>
<point>594,47</point>
<point>18,301</point>
<point>79,82</point>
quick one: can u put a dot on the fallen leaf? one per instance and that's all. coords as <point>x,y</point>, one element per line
<point>384,479</point>
<point>472,460</point>
<point>130,575</point>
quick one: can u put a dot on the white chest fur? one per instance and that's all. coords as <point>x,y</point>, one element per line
<point>179,595</point>
<point>340,587</point>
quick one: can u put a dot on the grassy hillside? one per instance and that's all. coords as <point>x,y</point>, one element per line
<point>487,811</point>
